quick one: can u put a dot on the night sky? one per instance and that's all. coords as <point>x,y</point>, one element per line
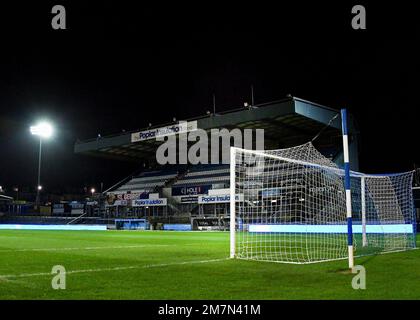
<point>118,67</point>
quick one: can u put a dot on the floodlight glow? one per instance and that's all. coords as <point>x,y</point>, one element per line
<point>39,187</point>
<point>43,129</point>
<point>92,190</point>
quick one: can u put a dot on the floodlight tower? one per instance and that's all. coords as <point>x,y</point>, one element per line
<point>43,130</point>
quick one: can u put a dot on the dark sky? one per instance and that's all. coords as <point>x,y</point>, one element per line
<point>118,66</point>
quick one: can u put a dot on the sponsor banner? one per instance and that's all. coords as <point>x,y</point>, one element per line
<point>77,208</point>
<point>177,227</point>
<point>149,202</point>
<point>188,191</point>
<point>330,229</point>
<point>132,195</point>
<point>126,196</point>
<point>272,192</point>
<point>58,208</point>
<point>218,198</point>
<point>189,199</point>
<point>51,227</point>
<point>209,224</point>
<point>118,203</point>
<point>181,127</point>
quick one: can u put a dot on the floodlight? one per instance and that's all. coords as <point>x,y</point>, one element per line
<point>43,129</point>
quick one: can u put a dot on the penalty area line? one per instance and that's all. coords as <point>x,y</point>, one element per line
<point>148,266</point>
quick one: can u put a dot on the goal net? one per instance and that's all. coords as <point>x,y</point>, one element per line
<point>289,206</point>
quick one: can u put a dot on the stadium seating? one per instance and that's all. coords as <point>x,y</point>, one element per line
<point>205,174</point>
<point>178,176</point>
<point>149,180</point>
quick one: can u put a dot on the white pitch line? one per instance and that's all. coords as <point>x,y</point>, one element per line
<point>85,248</point>
<point>25,275</point>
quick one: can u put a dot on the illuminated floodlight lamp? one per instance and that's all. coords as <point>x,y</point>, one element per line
<point>42,129</point>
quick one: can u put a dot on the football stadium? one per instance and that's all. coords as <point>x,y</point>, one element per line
<point>289,218</point>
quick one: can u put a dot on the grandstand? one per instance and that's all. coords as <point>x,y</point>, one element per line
<point>183,193</point>
<point>205,174</point>
<point>174,192</point>
<point>147,181</point>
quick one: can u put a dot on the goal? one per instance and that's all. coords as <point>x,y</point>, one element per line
<point>289,206</point>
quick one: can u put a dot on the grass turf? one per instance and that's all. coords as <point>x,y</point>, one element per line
<point>182,265</point>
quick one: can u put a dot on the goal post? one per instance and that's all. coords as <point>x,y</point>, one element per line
<point>347,183</point>
<point>289,205</point>
<point>363,210</point>
<point>232,202</point>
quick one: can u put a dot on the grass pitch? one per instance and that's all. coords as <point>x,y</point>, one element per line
<point>182,265</point>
